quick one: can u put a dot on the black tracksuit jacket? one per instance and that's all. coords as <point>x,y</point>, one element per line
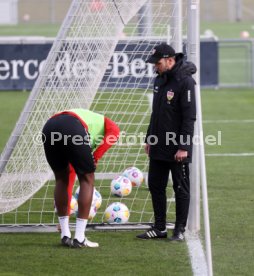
<point>173,111</point>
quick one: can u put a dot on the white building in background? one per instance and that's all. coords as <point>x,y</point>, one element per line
<point>9,12</point>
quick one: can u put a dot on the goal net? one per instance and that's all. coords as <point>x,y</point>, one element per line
<point>97,62</point>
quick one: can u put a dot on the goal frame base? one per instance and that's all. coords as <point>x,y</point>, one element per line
<point>51,228</point>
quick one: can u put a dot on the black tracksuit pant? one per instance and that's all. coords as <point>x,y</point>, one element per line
<point>157,182</point>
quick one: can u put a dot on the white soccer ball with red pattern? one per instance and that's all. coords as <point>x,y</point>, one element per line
<point>135,175</point>
<point>121,186</point>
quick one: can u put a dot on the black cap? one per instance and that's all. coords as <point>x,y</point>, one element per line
<point>161,51</point>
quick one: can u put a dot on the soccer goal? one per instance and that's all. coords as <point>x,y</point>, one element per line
<point>97,62</point>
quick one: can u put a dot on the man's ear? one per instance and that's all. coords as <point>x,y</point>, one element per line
<point>171,62</point>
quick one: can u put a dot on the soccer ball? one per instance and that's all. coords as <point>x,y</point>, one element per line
<point>244,34</point>
<point>92,212</point>
<point>97,199</point>
<point>135,175</point>
<point>96,203</point>
<point>73,205</point>
<point>117,212</point>
<point>77,193</point>
<point>121,186</point>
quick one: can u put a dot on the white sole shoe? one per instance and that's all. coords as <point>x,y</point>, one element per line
<point>85,243</point>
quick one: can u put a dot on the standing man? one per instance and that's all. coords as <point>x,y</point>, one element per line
<point>74,141</point>
<point>169,138</point>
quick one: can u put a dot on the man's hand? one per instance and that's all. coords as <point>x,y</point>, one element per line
<point>181,155</point>
<point>147,149</point>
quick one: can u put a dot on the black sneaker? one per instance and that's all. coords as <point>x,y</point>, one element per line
<point>66,241</point>
<point>177,236</point>
<point>85,243</point>
<point>153,233</point>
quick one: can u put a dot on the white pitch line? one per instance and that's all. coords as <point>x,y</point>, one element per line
<point>197,255</point>
<point>243,154</point>
<point>250,121</point>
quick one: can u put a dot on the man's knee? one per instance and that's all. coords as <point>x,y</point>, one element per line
<point>87,178</point>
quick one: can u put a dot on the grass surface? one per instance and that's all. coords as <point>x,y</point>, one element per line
<point>231,201</point>
<point>230,180</point>
<point>48,30</point>
<point>228,29</point>
<point>11,105</point>
<point>119,254</point>
<point>220,29</point>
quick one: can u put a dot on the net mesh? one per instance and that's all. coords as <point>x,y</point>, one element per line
<point>96,62</point>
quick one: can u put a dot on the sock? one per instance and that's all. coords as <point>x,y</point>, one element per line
<point>65,229</point>
<point>80,229</point>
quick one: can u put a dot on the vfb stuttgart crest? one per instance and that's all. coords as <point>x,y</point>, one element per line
<point>170,95</point>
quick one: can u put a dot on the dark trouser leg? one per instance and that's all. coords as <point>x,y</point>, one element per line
<point>181,185</point>
<point>157,182</point>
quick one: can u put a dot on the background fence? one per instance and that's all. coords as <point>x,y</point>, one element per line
<point>236,62</point>
<point>227,10</point>
<point>53,11</point>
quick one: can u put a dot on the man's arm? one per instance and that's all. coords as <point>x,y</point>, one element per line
<point>111,135</point>
<point>188,107</point>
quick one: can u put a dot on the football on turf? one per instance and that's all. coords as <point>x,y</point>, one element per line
<point>96,202</point>
<point>121,186</point>
<point>135,175</point>
<point>73,205</point>
<point>117,212</point>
